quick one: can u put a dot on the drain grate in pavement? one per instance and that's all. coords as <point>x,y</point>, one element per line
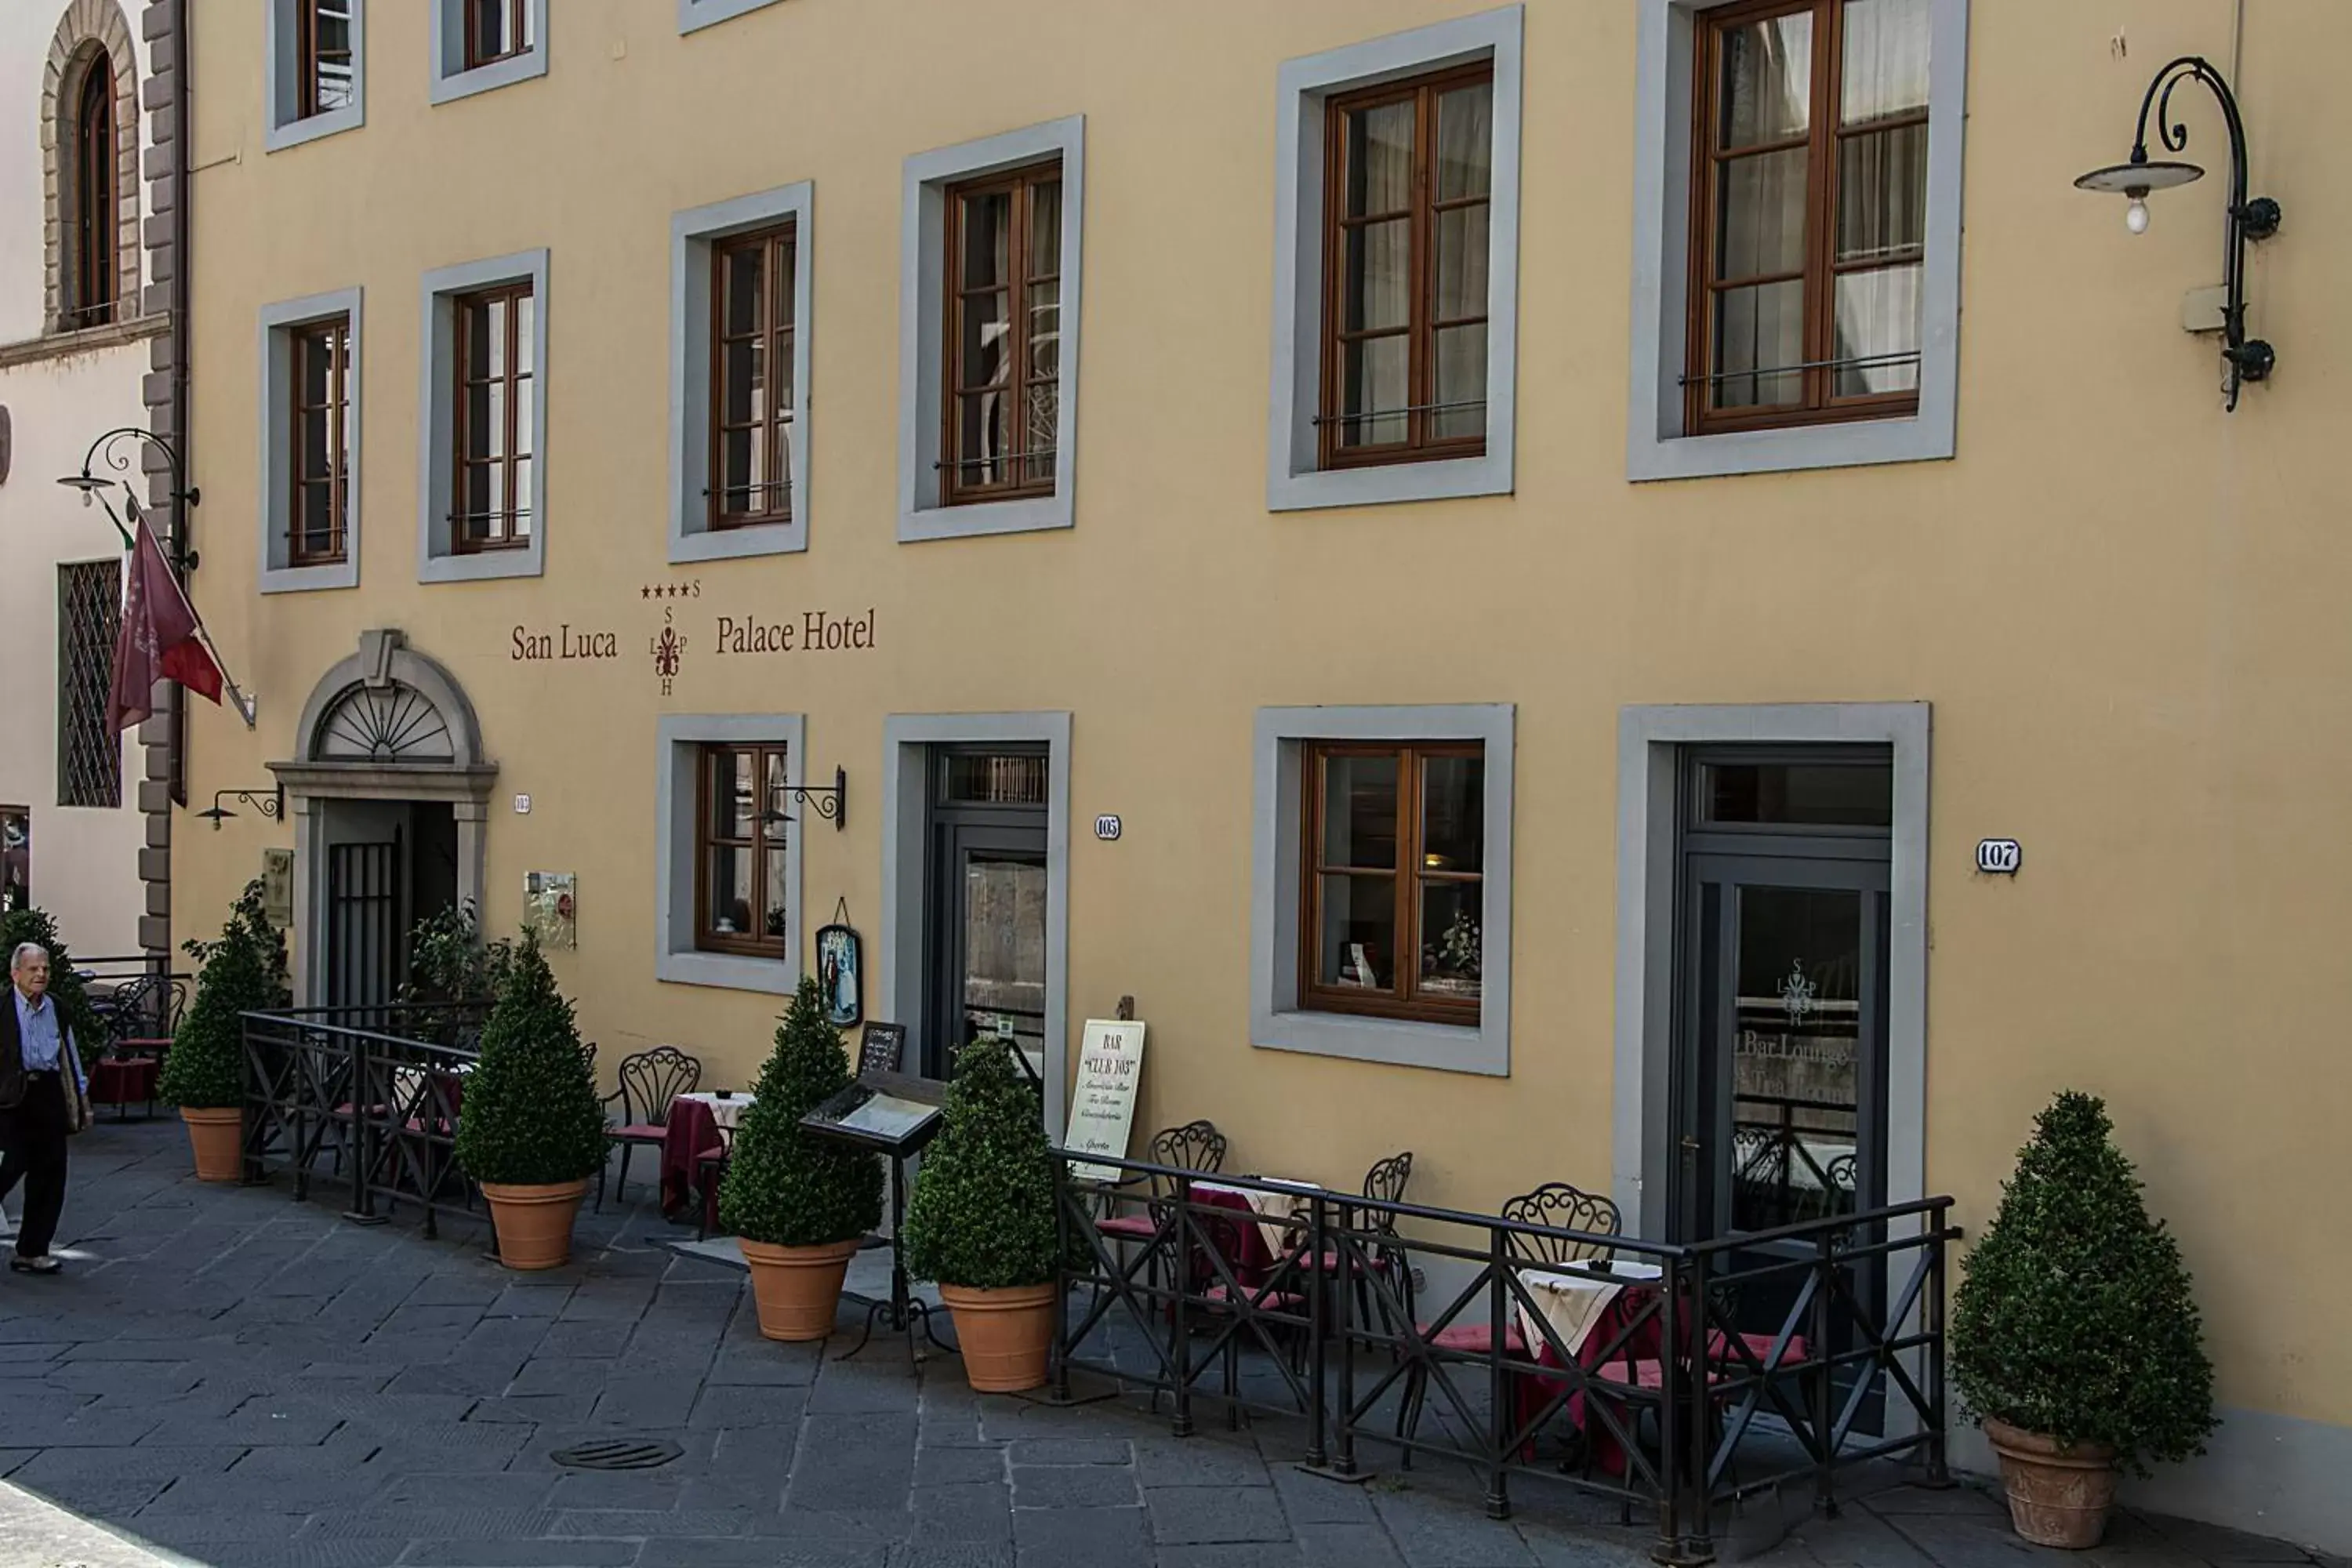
<point>617,1454</point>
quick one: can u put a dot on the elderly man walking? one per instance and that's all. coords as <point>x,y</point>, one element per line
<point>42,1091</point>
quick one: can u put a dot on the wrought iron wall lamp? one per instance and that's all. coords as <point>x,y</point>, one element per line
<point>109,449</point>
<point>270,802</point>
<point>830,802</point>
<point>2250,218</point>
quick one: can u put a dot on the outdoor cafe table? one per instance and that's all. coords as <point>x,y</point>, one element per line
<point>1587,1311</point>
<point>1256,1247</point>
<point>698,1124</point>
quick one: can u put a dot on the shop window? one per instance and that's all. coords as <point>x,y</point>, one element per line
<point>739,298</point>
<point>1809,196</point>
<point>317,52</point>
<point>327,80</point>
<point>1392,903</point>
<point>752,332</point>
<point>90,616</point>
<point>1406,237</point>
<point>477,46</point>
<point>309,417</point>
<point>1003,336</point>
<point>1396,296</point>
<point>482,487</point>
<point>1380,885</point>
<point>728,851</point>
<point>320,413</point>
<point>1797,225</point>
<point>491,441</point>
<point>988,325</point>
<point>740,899</point>
<point>15,859</point>
<point>91,302</point>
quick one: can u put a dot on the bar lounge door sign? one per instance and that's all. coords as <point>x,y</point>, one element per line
<point>1102,1111</point>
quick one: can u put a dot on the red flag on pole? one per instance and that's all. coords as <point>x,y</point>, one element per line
<point>159,639</point>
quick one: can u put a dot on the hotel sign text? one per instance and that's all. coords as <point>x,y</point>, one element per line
<point>816,632</point>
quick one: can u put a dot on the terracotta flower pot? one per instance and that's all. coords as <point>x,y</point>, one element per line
<point>218,1139</point>
<point>534,1222</point>
<point>797,1288</point>
<point>1006,1335</point>
<point>2058,1495</point>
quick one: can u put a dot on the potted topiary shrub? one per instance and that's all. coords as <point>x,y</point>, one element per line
<point>2075,1340</point>
<point>798,1204</point>
<point>982,1221</point>
<point>244,971</point>
<point>531,1130</point>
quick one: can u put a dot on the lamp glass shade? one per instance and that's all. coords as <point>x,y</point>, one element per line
<point>2138,179</point>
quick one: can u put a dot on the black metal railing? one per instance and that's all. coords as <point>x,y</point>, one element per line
<point>364,1098</point>
<point>1716,1370</point>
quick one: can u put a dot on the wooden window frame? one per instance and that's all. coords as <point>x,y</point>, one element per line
<point>95,197</point>
<point>1404,1000</point>
<point>777,334</point>
<point>1824,140</point>
<point>1422,325</point>
<point>516,13</point>
<point>1018,458</point>
<point>710,758</point>
<point>513,503</point>
<point>309,59</point>
<point>333,337</point>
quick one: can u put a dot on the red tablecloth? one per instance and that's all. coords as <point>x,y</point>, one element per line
<point>1601,1345</point>
<point>122,1080</point>
<point>691,1132</point>
<point>1243,1243</point>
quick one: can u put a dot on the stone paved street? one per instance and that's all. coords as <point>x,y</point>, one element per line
<point>239,1380</point>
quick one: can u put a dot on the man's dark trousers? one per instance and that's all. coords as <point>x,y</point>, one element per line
<point>33,1134</point>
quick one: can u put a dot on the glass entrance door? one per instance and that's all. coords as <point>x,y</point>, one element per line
<point>1780,1071</point>
<point>986,919</point>
<point>1786,1066</point>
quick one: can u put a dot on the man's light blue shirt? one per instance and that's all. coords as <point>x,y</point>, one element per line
<point>42,1033</point>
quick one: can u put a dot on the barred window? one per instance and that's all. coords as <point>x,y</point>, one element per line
<point>90,613</point>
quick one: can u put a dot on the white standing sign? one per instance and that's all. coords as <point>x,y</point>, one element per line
<point>1102,1111</point>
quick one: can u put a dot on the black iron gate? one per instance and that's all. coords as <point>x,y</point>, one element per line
<point>364,923</point>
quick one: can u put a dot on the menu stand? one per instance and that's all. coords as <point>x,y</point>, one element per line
<point>893,1115</point>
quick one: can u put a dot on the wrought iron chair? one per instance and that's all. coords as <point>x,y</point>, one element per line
<point>1283,1291</point>
<point>710,1170</point>
<point>1195,1146</point>
<point>1384,1252</point>
<point>650,1081</point>
<point>1555,1205</point>
<point>140,1017</point>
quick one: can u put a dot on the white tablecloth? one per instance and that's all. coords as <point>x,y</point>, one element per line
<point>1272,1209</point>
<point>1574,1300</point>
<point>726,1112</point>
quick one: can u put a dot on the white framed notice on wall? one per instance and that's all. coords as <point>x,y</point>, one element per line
<point>1102,1105</point>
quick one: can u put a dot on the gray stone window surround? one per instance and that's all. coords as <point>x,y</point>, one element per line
<point>691,537</point>
<point>693,16</point>
<point>906,743</point>
<point>1277,1021</point>
<point>436,561</point>
<point>678,751</point>
<point>283,123</point>
<point>1295,479</point>
<point>450,81</point>
<point>922,290</point>
<point>1655,447</point>
<point>276,479</point>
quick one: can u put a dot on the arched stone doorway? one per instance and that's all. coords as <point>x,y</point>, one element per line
<point>389,798</point>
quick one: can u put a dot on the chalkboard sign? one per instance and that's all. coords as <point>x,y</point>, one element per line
<point>882,1049</point>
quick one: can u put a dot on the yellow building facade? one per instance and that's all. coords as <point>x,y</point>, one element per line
<point>1552,646</point>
